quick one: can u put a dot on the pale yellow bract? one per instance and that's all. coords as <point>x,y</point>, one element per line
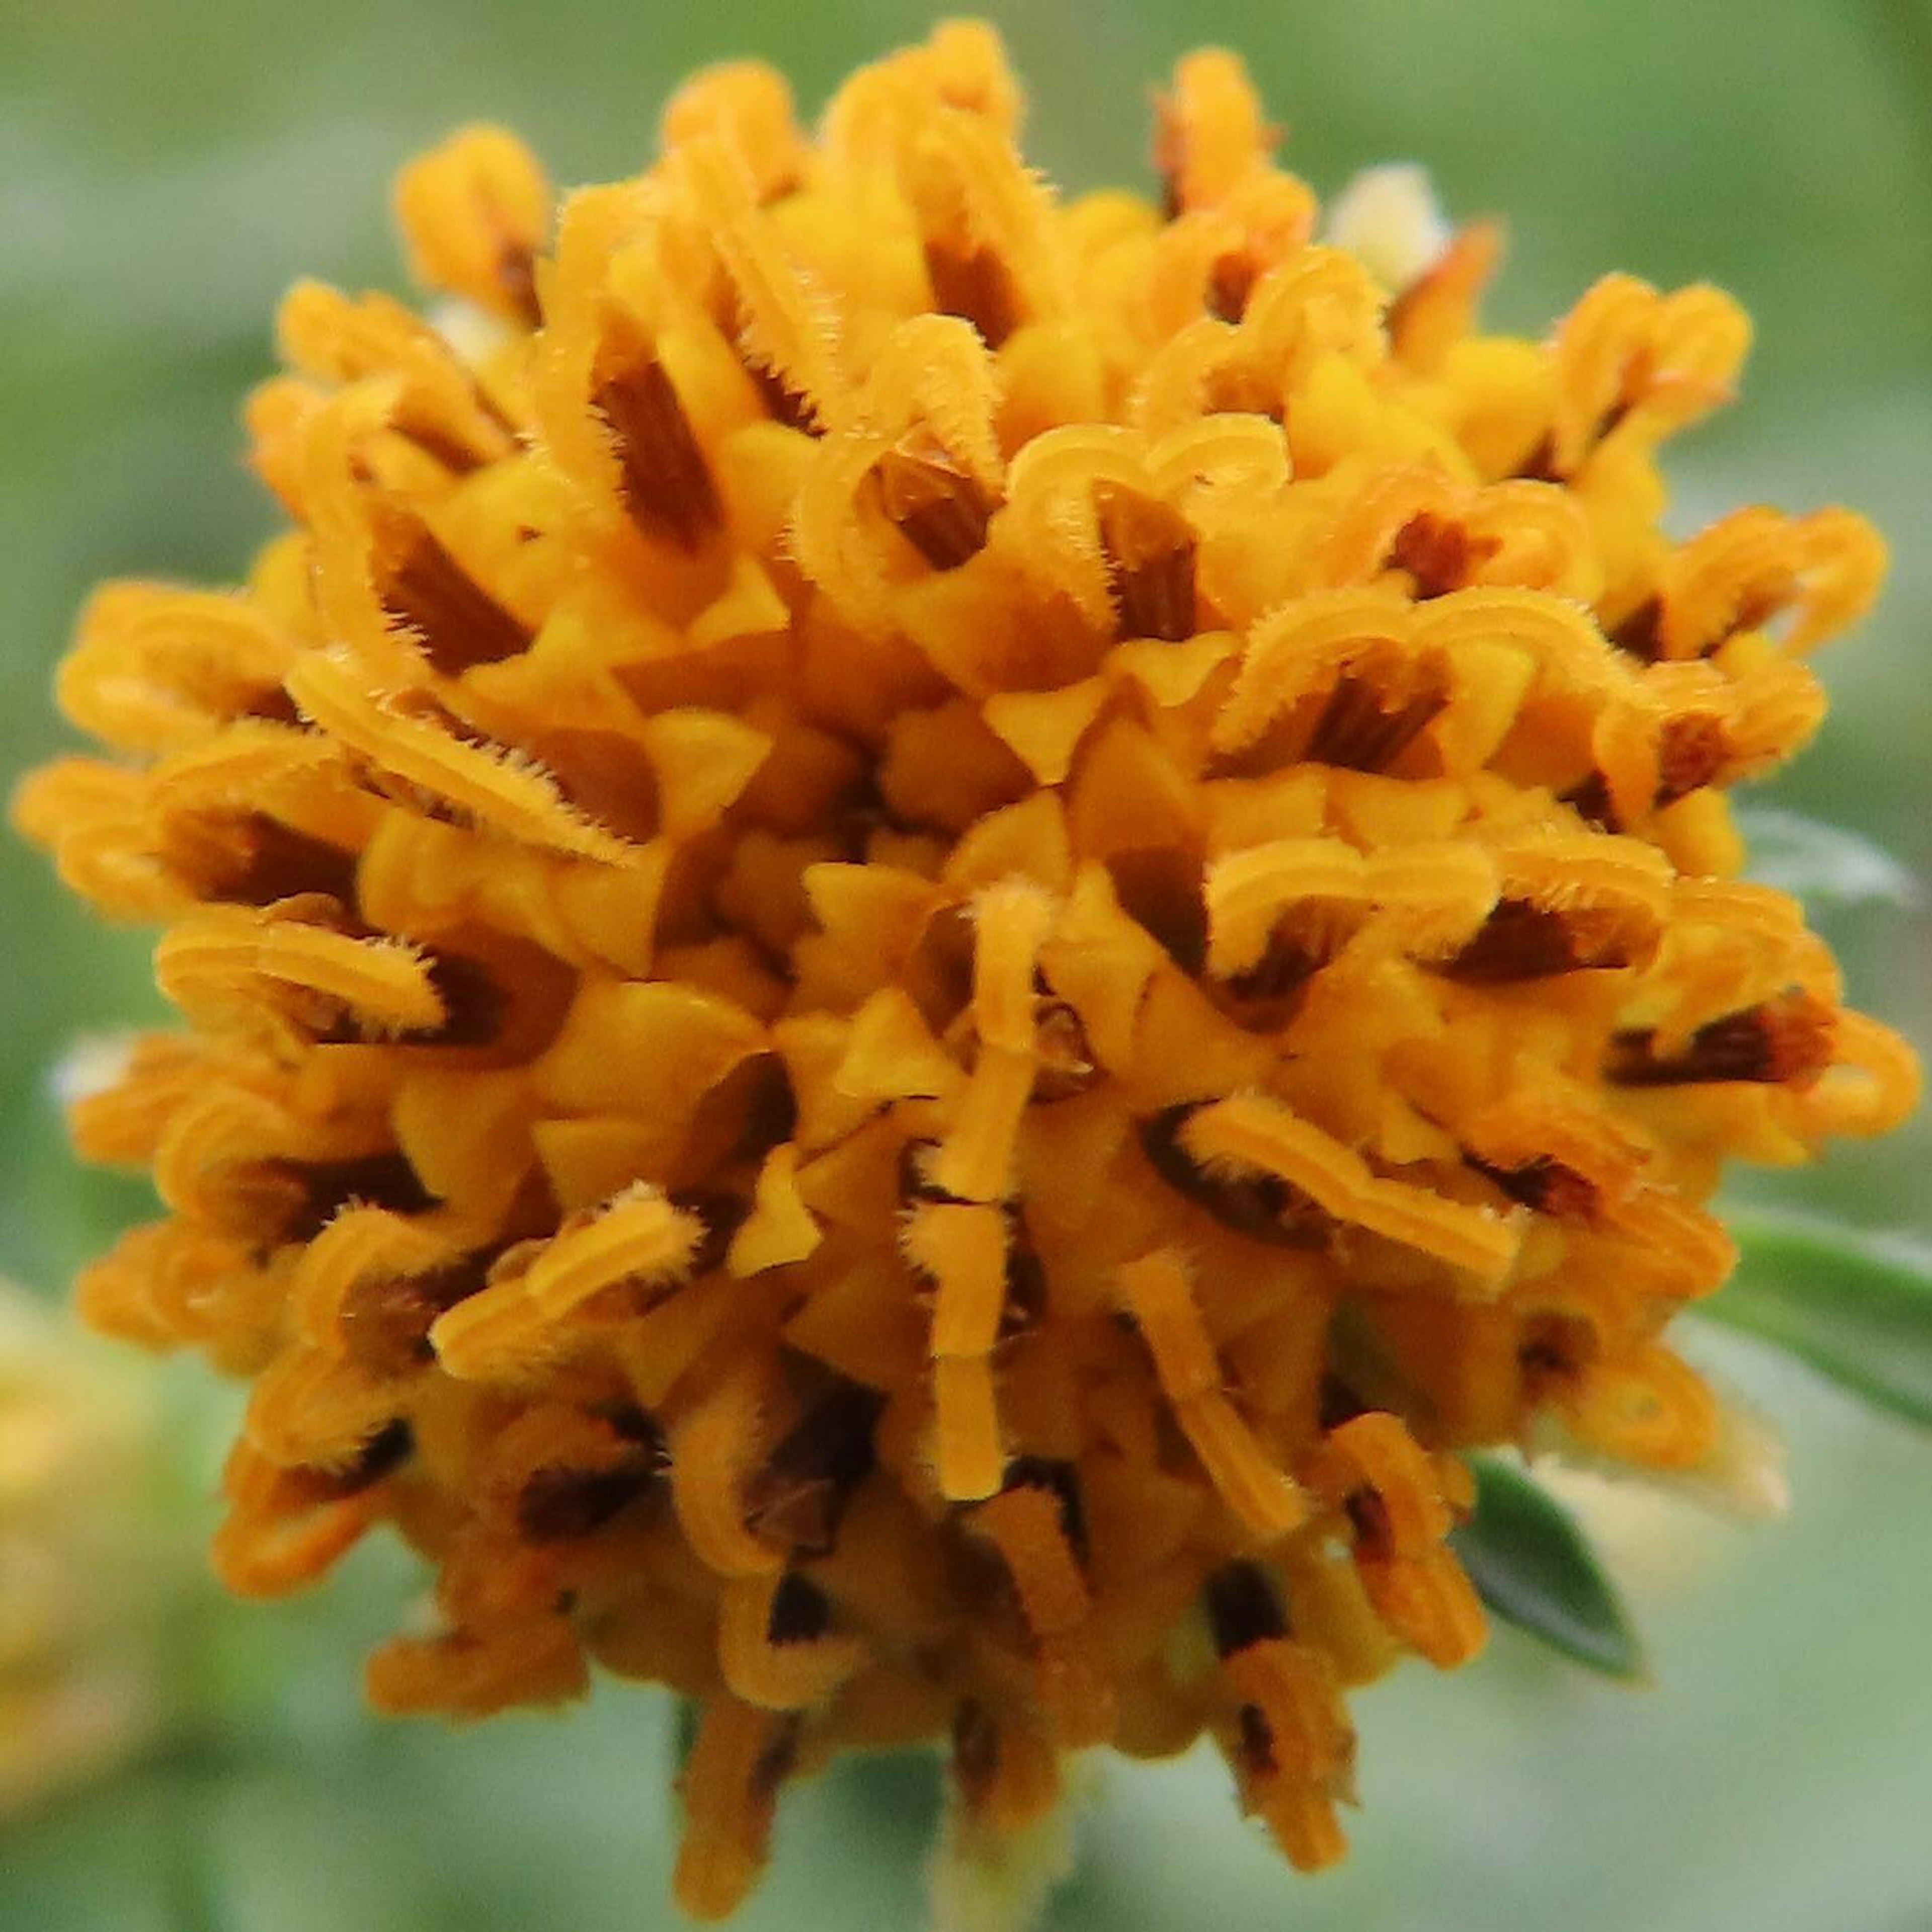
<point>929,932</point>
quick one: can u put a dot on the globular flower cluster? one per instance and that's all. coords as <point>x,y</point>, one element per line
<point>928,932</point>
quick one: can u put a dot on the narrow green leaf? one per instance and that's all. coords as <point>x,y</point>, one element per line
<point>1822,864</point>
<point>1857,1308</point>
<point>1535,1567</point>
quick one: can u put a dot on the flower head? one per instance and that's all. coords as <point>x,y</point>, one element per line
<point>929,932</point>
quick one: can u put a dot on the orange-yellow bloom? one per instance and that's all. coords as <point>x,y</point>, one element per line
<point>929,932</point>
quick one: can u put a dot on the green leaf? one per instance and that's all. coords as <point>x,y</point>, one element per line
<point>1822,864</point>
<point>1535,1568</point>
<point>1857,1308</point>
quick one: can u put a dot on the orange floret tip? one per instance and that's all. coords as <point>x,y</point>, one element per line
<point>926,932</point>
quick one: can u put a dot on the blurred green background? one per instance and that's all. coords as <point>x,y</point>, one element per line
<point>167,166</point>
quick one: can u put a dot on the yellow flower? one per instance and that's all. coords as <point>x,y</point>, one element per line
<point>928,932</point>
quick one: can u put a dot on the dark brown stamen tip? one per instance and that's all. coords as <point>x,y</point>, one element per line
<point>1263,1206</point>
<point>973,282</point>
<point>256,860</point>
<point>1590,801</point>
<point>429,593</point>
<point>385,1321</point>
<point>1521,940</point>
<point>775,1762</point>
<point>1151,552</point>
<point>1270,989</point>
<point>1230,283</point>
<point>915,1186</point>
<point>1243,1608</point>
<point>556,1505</point>
<point>800,1612</point>
<point>322,1189</point>
<point>1368,1517</point>
<point>517,277</point>
<point>722,1213</point>
<point>1257,1741</point>
<point>667,485</point>
<point>940,510</point>
<point>1026,1281</point>
<point>783,403</point>
<point>1060,1481</point>
<point>1338,1403</point>
<point>384,1452</point>
<point>1361,729</point>
<point>473,1004</point>
<point>1641,632</point>
<point>1785,1042</point>
<point>436,442</point>
<point>1547,1185</point>
<point>273,707</point>
<point>1539,466</point>
<point>1438,554</point>
<point>1690,753</point>
<point>1160,888</point>
<point>799,1495</point>
<point>1554,1346</point>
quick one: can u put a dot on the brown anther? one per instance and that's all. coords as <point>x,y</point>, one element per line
<point>775,1762</point>
<point>797,1498</point>
<point>940,510</point>
<point>1368,1516</point>
<point>607,776</point>
<point>1061,1481</point>
<point>381,1455</point>
<point>1150,551</point>
<point>1363,729</point>
<point>1263,1206</point>
<point>722,1213</point>
<point>1539,466</point>
<point>253,859</point>
<point>275,707</point>
<point>1336,1403</point>
<point>914,1185</point>
<point>800,1611</point>
<point>667,485</point>
<point>436,442</point>
<point>1230,283</point>
<point>1025,1301</point>
<point>1553,1347</point>
<point>1590,801</point>
<point>1243,1608</point>
<point>1161,889</point>
<point>783,403</point>
<point>557,1505</point>
<point>1271,990</point>
<point>1521,940</point>
<point>1641,632</point>
<point>318,1190</point>
<point>1547,1185</point>
<point>433,597</point>
<point>1784,1042</point>
<point>1439,554</point>
<point>972,283</point>
<point>473,1004</point>
<point>517,277</point>
<point>385,1321</point>
<point>1691,754</point>
<point>1257,1741</point>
